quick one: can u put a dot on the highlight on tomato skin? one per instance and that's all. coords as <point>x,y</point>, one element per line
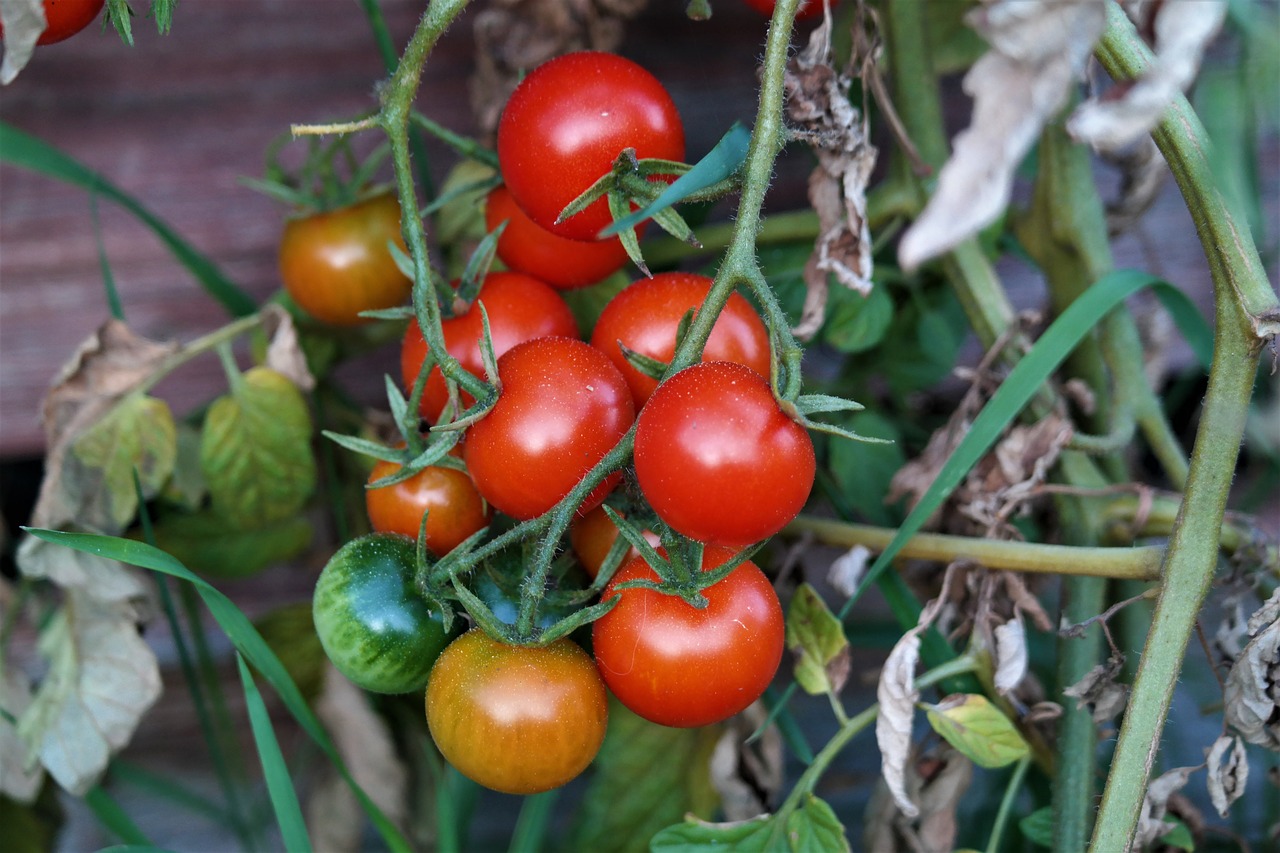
<point>516,719</point>
<point>676,665</point>
<point>447,496</point>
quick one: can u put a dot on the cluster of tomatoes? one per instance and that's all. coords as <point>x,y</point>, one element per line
<point>715,457</point>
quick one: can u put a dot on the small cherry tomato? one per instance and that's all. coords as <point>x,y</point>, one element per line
<point>517,719</point>
<point>718,459</point>
<point>520,308</point>
<point>808,8</point>
<point>645,316</point>
<point>563,406</point>
<point>336,264</point>
<point>65,18</point>
<point>567,122</point>
<point>374,626</point>
<point>529,248</point>
<point>676,665</point>
<point>448,498</point>
<point>592,535</point>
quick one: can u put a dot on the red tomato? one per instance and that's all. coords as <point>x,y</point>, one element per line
<point>676,665</point>
<point>528,247</point>
<point>520,308</point>
<point>592,535</point>
<point>808,9</point>
<point>645,316</point>
<point>65,18</point>
<point>568,121</point>
<point>336,264</point>
<point>718,460</point>
<point>517,719</point>
<point>563,407</point>
<point>448,498</point>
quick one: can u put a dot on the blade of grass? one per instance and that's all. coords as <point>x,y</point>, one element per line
<point>113,818</point>
<point>530,833</point>
<point>165,788</point>
<point>27,152</point>
<point>108,280</point>
<point>284,799</point>
<point>244,636</point>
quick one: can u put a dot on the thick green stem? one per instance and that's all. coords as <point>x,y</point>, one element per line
<point>1246,314</point>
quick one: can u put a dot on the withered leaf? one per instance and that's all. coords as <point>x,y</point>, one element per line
<point>1228,772</point>
<point>1252,694</point>
<point>24,21</point>
<point>1011,654</point>
<point>747,775</point>
<point>1151,822</point>
<point>1100,691</point>
<point>20,773</point>
<point>284,352</point>
<point>897,695</point>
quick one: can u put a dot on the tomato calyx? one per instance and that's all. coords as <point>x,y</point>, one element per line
<point>810,404</point>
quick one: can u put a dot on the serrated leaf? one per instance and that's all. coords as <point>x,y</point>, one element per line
<point>699,836</point>
<point>816,637</point>
<point>857,323</point>
<point>646,777</point>
<point>1037,827</point>
<point>815,827</point>
<point>205,542</point>
<point>256,450</point>
<point>139,435</point>
<point>978,729</point>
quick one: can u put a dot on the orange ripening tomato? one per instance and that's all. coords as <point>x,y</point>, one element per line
<point>592,535</point>
<point>448,498</point>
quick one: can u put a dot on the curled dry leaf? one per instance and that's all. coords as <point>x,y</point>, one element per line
<point>102,678</point>
<point>936,781</point>
<point>284,353</point>
<point>897,695</point>
<point>1099,690</point>
<point>847,570</point>
<point>1037,49</point>
<point>24,21</point>
<point>1182,31</point>
<point>747,775</point>
<point>1228,772</point>
<point>1151,822</point>
<point>1252,693</point>
<point>819,112</point>
<point>1142,174</point>
<point>1011,654</point>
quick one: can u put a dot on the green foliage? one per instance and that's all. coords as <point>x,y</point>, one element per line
<point>817,639</point>
<point>203,542</point>
<point>811,828</point>
<point>138,434</point>
<point>863,470</point>
<point>978,729</point>
<point>1037,827</point>
<point>857,323</point>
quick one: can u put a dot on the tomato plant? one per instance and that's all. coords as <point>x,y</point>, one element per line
<point>520,308</point>
<point>529,248</point>
<point>567,122</point>
<point>517,719</point>
<point>374,625</point>
<point>592,535</point>
<point>446,496</point>
<point>644,317</point>
<point>676,665</point>
<point>65,18</point>
<point>718,459</point>
<point>337,263</point>
<point>563,406</point>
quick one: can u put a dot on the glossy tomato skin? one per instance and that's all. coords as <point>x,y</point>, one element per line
<point>520,308</point>
<point>645,316</point>
<point>517,719</point>
<point>679,666</point>
<point>563,406</point>
<point>718,459</point>
<point>529,248</point>
<point>336,264</point>
<point>374,626</point>
<point>808,10</point>
<point>65,18</point>
<point>453,507</point>
<point>567,122</point>
<point>592,535</point>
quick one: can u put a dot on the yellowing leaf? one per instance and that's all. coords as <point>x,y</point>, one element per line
<point>816,637</point>
<point>256,450</point>
<point>137,435</point>
<point>203,543</point>
<point>978,729</point>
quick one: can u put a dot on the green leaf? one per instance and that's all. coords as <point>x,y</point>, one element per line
<point>816,637</point>
<point>186,487</point>
<point>205,541</point>
<point>978,729</point>
<point>646,777</point>
<point>814,828</point>
<point>857,323</point>
<point>1178,836</point>
<point>31,827</point>
<point>137,434</point>
<point>1037,827</point>
<point>28,152</point>
<point>863,471</point>
<point>284,799</point>
<point>256,450</point>
<point>114,818</point>
<point>246,640</point>
<point>697,836</point>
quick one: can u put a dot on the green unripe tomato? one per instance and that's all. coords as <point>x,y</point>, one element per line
<point>374,626</point>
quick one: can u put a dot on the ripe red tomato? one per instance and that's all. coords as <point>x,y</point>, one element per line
<point>645,316</point>
<point>374,626</point>
<point>336,264</point>
<point>563,407</point>
<point>809,9</point>
<point>520,308</point>
<point>679,666</point>
<point>448,498</point>
<point>591,537</point>
<point>65,18</point>
<point>517,719</point>
<point>718,460</point>
<point>530,248</point>
<point>568,121</point>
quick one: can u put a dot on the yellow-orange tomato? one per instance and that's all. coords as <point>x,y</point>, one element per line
<point>453,507</point>
<point>517,719</point>
<point>591,537</point>
<point>336,264</point>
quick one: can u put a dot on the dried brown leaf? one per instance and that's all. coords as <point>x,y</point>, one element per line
<point>24,21</point>
<point>20,772</point>
<point>897,695</point>
<point>1252,693</point>
<point>1011,655</point>
<point>1228,772</point>
<point>847,570</point>
<point>1099,690</point>
<point>937,781</point>
<point>284,353</point>
<point>1151,823</point>
<point>747,775</point>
